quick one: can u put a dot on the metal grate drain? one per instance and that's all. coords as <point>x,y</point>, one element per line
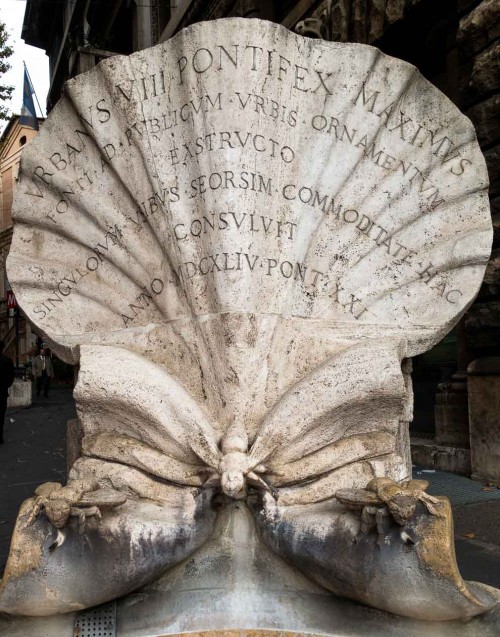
<point>96,622</point>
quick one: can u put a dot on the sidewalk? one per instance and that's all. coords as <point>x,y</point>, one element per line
<point>35,452</point>
<point>476,515</point>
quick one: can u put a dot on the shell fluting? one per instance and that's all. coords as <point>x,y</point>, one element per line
<point>212,175</point>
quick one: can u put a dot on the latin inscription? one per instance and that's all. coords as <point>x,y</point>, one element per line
<point>231,140</point>
<point>90,163</point>
<point>401,253</point>
<point>412,132</point>
<point>254,59</point>
<point>221,221</point>
<point>371,150</point>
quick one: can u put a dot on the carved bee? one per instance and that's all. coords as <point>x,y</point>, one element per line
<point>384,497</point>
<point>79,498</point>
<point>236,468</point>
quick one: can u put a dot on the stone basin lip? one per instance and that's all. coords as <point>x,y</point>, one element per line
<point>335,617</point>
<point>256,590</point>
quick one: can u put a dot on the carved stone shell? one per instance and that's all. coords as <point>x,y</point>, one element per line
<point>212,175</point>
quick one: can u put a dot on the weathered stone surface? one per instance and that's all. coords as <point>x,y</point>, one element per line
<point>492,156</point>
<point>334,220</point>
<point>486,117</point>
<point>427,552</point>
<point>394,10</point>
<point>132,546</point>
<point>218,589</point>
<point>484,418</point>
<point>239,235</point>
<point>479,28</point>
<point>20,394</point>
<point>452,415</point>
<point>492,274</point>
<point>485,76</point>
<point>482,324</point>
<point>74,436</point>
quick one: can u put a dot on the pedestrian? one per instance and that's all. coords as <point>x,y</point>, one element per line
<point>6,380</point>
<point>43,372</point>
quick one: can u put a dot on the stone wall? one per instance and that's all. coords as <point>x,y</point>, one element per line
<point>479,49</point>
<point>20,394</point>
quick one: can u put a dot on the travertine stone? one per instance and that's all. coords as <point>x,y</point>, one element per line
<point>486,116</point>
<point>492,274</point>
<point>484,418</point>
<point>492,157</point>
<point>482,324</point>
<point>479,28</point>
<point>485,77</point>
<point>323,171</point>
<point>239,235</point>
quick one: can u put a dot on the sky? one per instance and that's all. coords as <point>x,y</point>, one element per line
<point>12,13</point>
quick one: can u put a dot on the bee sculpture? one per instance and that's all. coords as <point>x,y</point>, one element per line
<point>79,498</point>
<point>236,468</point>
<point>384,497</point>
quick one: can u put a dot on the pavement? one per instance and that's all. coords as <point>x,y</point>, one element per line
<point>35,452</point>
<point>476,516</point>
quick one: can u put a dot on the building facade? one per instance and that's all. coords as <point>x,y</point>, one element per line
<point>454,43</point>
<point>15,331</point>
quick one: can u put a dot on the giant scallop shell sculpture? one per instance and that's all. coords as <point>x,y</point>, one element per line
<point>239,234</point>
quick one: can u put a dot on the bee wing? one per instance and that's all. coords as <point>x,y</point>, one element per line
<point>102,497</point>
<point>133,412</point>
<point>417,485</point>
<point>357,498</point>
<point>47,488</point>
<point>339,414</point>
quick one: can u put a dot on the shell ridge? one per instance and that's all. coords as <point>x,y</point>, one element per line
<point>420,218</point>
<point>321,245</point>
<point>453,263</point>
<point>108,82</point>
<point>74,237</point>
<point>187,426</point>
<point>275,431</point>
<point>106,79</point>
<point>352,173</point>
<point>343,424</point>
<point>209,348</point>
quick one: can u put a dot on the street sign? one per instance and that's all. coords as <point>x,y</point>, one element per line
<point>11,299</point>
